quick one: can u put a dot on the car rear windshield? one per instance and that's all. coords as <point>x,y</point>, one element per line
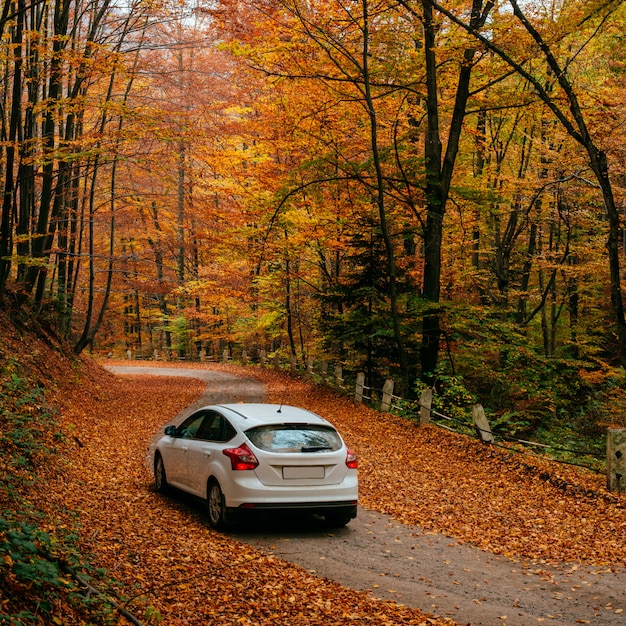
<point>295,438</point>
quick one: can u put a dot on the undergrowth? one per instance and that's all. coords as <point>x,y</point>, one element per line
<point>44,579</point>
<point>570,433</point>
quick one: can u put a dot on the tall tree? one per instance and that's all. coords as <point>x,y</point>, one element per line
<point>62,53</point>
<point>439,167</point>
<point>347,55</point>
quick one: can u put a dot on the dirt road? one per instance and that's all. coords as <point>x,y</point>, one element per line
<point>437,574</point>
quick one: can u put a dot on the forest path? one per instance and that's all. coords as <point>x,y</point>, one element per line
<point>393,561</point>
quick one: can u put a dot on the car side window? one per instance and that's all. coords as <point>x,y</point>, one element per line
<point>190,428</point>
<point>216,428</point>
<point>212,428</point>
<point>228,430</point>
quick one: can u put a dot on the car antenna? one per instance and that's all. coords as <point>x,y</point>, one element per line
<point>280,408</point>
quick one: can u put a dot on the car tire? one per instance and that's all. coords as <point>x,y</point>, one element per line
<point>216,505</point>
<point>160,478</point>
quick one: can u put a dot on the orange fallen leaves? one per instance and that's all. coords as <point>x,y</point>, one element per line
<point>168,561</point>
<point>166,557</point>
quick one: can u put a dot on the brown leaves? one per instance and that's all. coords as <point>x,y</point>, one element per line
<point>161,549</point>
<point>167,558</point>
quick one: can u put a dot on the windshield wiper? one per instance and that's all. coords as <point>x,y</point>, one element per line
<point>314,448</point>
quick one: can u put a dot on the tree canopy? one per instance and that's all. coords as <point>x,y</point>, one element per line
<point>412,189</point>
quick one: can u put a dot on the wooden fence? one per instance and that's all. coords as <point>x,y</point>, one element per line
<point>616,438</point>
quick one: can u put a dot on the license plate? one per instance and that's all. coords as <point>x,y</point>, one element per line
<point>313,471</point>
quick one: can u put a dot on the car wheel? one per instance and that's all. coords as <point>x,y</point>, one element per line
<point>215,505</point>
<point>160,478</point>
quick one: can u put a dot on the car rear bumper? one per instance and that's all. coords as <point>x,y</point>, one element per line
<point>300,506</point>
<point>332,511</point>
<point>250,493</point>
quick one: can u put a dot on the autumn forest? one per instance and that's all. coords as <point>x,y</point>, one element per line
<point>429,191</point>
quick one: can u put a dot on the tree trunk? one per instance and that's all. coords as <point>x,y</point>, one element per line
<point>572,304</point>
<point>382,210</point>
<point>8,202</point>
<point>44,231</point>
<point>439,176</point>
<point>288,311</point>
<point>528,263</point>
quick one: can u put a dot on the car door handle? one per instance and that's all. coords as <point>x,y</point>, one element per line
<point>207,453</point>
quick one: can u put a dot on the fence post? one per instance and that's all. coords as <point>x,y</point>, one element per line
<point>385,403</point>
<point>616,460</point>
<point>276,361</point>
<point>426,405</point>
<point>339,375</point>
<point>324,370</point>
<point>225,355</point>
<point>481,424</point>
<point>358,389</point>
<point>263,357</point>
<point>309,365</point>
<point>293,363</point>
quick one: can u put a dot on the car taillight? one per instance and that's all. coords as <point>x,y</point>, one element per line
<point>351,460</point>
<point>241,458</point>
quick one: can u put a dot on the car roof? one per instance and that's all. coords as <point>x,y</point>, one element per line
<point>249,414</point>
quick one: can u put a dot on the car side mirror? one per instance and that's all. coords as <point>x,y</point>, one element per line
<point>172,431</point>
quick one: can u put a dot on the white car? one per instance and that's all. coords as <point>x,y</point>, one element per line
<point>250,457</point>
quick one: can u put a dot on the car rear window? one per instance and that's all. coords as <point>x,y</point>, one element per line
<point>295,438</point>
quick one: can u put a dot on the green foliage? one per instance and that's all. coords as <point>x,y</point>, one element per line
<point>153,616</point>
<point>21,546</point>
<point>29,424</point>
<point>556,400</point>
<point>355,315</point>
<point>181,334</point>
<point>28,428</point>
<point>451,398</point>
<point>512,423</point>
